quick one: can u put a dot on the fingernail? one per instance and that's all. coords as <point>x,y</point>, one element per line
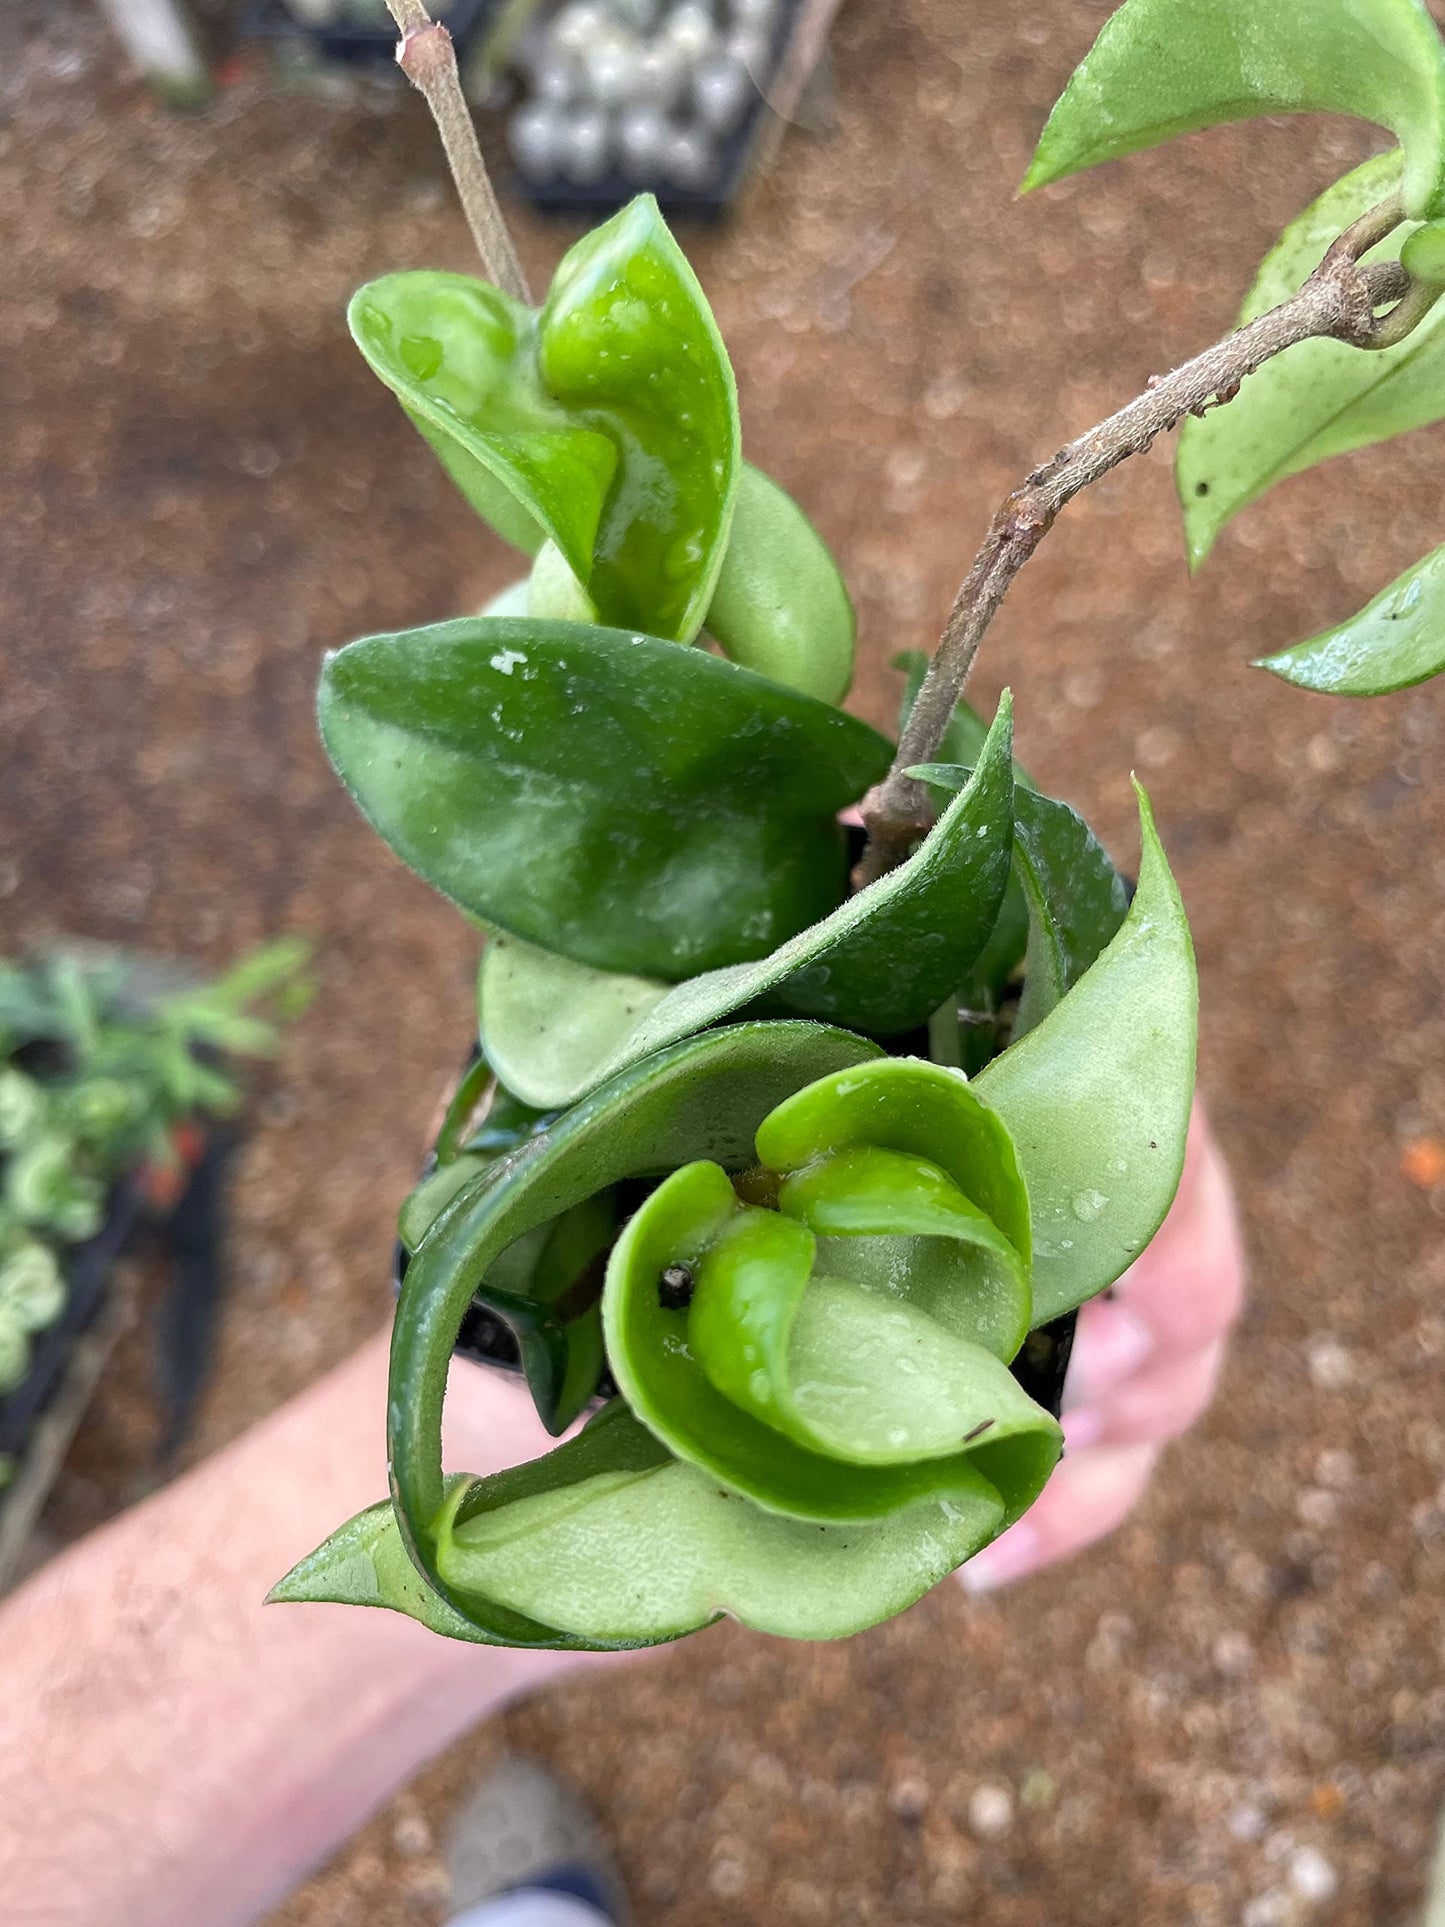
<point>1113,1344</point>
<point>1007,1558</point>
<point>1082,1428</point>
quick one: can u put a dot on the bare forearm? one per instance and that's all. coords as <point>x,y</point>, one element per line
<point>175,1751</point>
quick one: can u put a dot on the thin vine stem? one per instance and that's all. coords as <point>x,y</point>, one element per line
<point>1338,301</point>
<point>426,56</point>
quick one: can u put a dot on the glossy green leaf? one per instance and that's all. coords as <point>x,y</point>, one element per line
<point>780,605</point>
<point>1096,1098</point>
<point>870,1405</point>
<point>702,1099</point>
<point>606,795</point>
<point>606,422</point>
<point>627,340</point>
<point>1077,901</point>
<point>461,357</point>
<point>1166,67</point>
<point>921,1110</point>
<point>1396,640</point>
<point>427,1200</point>
<point>1319,398</point>
<point>364,1563</point>
<point>648,1553</point>
<point>920,1217</point>
<point>880,963</point>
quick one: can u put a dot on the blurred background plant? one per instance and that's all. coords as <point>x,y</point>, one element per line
<point>105,1059</point>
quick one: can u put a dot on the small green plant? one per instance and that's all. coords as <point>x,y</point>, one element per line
<point>797,1158</point>
<point>99,1063</point>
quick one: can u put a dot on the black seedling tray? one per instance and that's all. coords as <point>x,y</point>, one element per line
<point>350,45</point>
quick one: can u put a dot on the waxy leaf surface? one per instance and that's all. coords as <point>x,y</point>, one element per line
<point>881,962</point>
<point>606,422</point>
<point>366,1563</point>
<point>1319,398</point>
<point>646,1553</point>
<point>623,802</point>
<point>627,341</point>
<point>1075,897</point>
<point>1396,640</point>
<point>780,605</point>
<point>1166,67</point>
<point>812,1396</point>
<point>702,1099</point>
<point>1097,1096</point>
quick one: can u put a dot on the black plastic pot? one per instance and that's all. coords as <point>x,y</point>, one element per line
<point>349,45</point>
<point>86,1272</point>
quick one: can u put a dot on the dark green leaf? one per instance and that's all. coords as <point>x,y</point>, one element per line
<point>606,795</point>
<point>1166,67</point>
<point>1395,641</point>
<point>1097,1096</point>
<point>1319,398</point>
<point>880,963</point>
<point>1076,898</point>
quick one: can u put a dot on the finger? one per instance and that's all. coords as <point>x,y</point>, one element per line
<point>1154,1405</point>
<point>1089,1495</point>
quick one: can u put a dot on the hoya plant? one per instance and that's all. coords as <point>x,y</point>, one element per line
<point>786,1147</point>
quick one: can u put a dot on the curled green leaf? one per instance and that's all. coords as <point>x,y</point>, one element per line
<point>1166,67</point>
<point>606,422</point>
<point>815,1395</point>
<point>702,1099</point>
<point>645,1552</point>
<point>1395,641</point>
<point>626,340</point>
<point>1319,398</point>
<point>461,357</point>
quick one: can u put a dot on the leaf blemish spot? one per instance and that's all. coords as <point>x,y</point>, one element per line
<point>675,1288</point>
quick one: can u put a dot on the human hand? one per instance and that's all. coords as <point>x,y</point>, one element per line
<point>1145,1364</point>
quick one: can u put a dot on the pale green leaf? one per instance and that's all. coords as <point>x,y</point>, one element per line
<point>1394,641</point>
<point>1097,1097</point>
<point>1166,67</point>
<point>1319,398</point>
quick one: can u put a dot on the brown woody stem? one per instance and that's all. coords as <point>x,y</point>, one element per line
<point>1338,301</point>
<point>426,56</point>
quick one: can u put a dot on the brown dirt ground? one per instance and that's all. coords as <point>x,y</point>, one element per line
<point>201,489</point>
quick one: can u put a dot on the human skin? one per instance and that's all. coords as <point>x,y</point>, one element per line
<point>171,1750</point>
